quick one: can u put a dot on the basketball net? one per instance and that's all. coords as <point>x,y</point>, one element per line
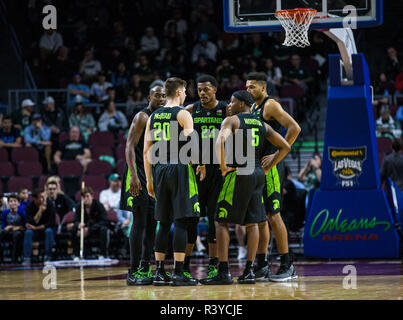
<point>296,24</point>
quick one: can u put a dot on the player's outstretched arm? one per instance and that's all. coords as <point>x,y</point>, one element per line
<point>273,109</point>
<point>136,129</point>
<point>228,127</point>
<point>278,141</point>
<point>147,159</point>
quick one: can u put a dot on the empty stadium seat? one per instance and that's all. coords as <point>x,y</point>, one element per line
<point>112,216</point>
<point>3,155</point>
<point>121,151</point>
<point>96,167</point>
<point>29,169</point>
<point>97,183</point>
<point>18,182</point>
<point>70,168</point>
<point>68,217</point>
<point>120,166</point>
<point>292,91</point>
<point>7,170</point>
<point>384,145</point>
<point>24,154</point>
<point>98,151</point>
<point>101,139</point>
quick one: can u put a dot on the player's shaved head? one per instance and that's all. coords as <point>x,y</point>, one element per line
<point>208,78</point>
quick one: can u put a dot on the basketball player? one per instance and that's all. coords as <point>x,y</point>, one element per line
<point>208,114</point>
<point>240,199</point>
<point>271,112</point>
<point>142,232</point>
<point>173,180</point>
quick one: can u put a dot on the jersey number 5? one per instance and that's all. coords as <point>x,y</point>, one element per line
<point>255,137</point>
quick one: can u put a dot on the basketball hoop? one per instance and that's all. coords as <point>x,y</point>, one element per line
<point>296,24</point>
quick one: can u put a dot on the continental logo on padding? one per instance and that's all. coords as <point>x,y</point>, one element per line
<point>130,202</point>
<point>196,207</point>
<point>347,164</point>
<point>276,204</point>
<point>222,213</point>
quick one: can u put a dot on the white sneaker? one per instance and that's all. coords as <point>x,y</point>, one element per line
<point>76,259</point>
<point>241,253</point>
<point>101,258</point>
<point>200,247</point>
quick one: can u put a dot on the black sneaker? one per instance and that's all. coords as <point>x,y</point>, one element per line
<point>131,279</point>
<point>183,279</point>
<point>141,277</point>
<point>219,279</point>
<point>161,278</point>
<point>248,277</point>
<point>284,273</point>
<point>262,274</point>
<point>211,273</point>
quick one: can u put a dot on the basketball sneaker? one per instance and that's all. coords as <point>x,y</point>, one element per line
<point>248,277</point>
<point>284,273</point>
<point>161,278</point>
<point>211,273</point>
<point>141,277</point>
<point>219,279</point>
<point>183,279</point>
<point>262,274</point>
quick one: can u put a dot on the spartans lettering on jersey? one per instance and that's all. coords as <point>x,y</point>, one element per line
<point>169,141</point>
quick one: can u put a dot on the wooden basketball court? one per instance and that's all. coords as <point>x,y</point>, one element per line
<point>376,280</point>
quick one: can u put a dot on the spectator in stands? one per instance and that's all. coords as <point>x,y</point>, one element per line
<point>23,198</point>
<point>77,88</point>
<point>393,64</point>
<point>98,89</point>
<point>399,116</point>
<point>120,80</point>
<point>38,135</point>
<point>61,67</point>
<point>12,225</point>
<point>206,26</point>
<point>110,197</point>
<point>62,202</point>
<point>112,120</point>
<point>3,203</point>
<point>392,166</point>
<point>181,24</point>
<point>54,118</point>
<point>73,149</point>
<point>10,137</point>
<point>83,120</point>
<point>204,48</point>
<point>292,214</point>
<point>297,74</point>
<point>311,173</point>
<point>149,43</point>
<point>49,43</point>
<point>274,77</point>
<point>224,70</point>
<point>22,118</point>
<point>386,126</point>
<point>110,94</point>
<point>89,68</point>
<point>255,47</point>
<point>40,222</point>
<point>95,222</point>
<point>144,70</point>
<point>175,39</point>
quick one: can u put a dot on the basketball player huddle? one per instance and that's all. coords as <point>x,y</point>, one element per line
<point>207,159</point>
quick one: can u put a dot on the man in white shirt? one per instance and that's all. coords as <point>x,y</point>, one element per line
<point>149,42</point>
<point>204,48</point>
<point>98,89</point>
<point>90,67</point>
<point>110,198</point>
<point>49,43</point>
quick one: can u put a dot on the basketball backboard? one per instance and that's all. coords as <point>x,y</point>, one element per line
<point>259,15</point>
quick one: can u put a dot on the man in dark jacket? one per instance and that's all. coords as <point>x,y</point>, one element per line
<point>95,222</point>
<point>54,118</point>
<point>392,166</point>
<point>40,222</point>
<point>62,202</point>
